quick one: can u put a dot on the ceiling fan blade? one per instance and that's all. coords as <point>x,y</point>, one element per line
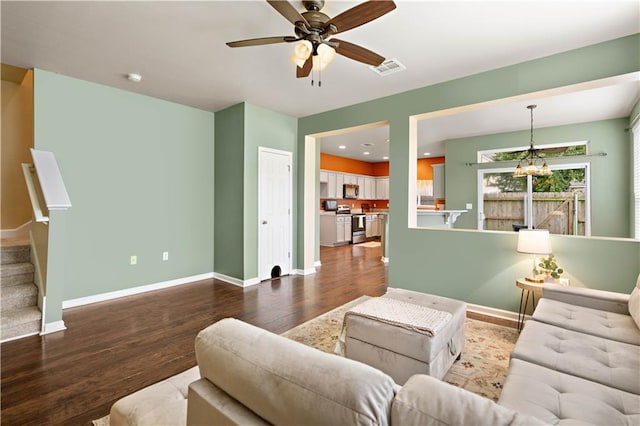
<point>361,14</point>
<point>306,68</point>
<point>285,9</point>
<point>261,41</point>
<point>358,53</point>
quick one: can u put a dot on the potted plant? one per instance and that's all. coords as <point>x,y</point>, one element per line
<point>548,267</point>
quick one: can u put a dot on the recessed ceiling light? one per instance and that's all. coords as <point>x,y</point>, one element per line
<point>387,140</point>
<point>366,153</point>
<point>342,147</point>
<point>134,77</point>
<point>427,153</point>
<point>385,158</point>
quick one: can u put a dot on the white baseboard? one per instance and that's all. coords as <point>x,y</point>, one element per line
<point>21,231</point>
<point>52,327</point>
<point>134,290</point>
<point>384,259</point>
<point>236,281</point>
<point>304,271</point>
<point>317,263</point>
<point>492,312</point>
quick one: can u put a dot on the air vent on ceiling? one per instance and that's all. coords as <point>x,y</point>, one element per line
<point>388,67</point>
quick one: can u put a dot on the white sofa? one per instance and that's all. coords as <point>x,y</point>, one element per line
<point>573,364</point>
<point>578,360</point>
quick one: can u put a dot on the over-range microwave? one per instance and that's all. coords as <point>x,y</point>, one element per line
<point>350,190</point>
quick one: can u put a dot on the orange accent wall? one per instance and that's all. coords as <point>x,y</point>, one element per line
<point>381,169</point>
<point>425,172</point>
<point>346,165</point>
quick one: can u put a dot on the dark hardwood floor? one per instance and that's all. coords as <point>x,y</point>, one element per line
<point>113,348</point>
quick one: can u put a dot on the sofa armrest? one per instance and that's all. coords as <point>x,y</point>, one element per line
<point>589,298</point>
<point>426,401</point>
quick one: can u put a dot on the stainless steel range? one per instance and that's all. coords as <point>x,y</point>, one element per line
<point>358,228</point>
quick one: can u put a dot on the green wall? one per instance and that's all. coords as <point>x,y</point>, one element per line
<point>240,130</point>
<point>229,200</point>
<point>481,267</point>
<point>609,175</point>
<point>138,172</point>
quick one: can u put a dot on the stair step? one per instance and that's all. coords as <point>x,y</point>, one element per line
<point>16,273</point>
<point>19,322</point>
<point>19,296</point>
<point>15,254</point>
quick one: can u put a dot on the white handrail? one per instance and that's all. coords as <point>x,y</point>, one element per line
<point>33,195</point>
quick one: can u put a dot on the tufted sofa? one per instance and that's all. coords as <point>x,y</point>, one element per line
<point>578,360</point>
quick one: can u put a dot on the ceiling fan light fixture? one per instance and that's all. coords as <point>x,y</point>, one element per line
<point>301,53</point>
<point>324,57</point>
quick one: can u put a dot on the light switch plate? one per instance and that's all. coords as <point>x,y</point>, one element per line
<point>165,255</point>
<point>134,260</point>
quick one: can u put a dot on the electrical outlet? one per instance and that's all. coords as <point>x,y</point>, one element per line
<point>469,206</point>
<point>134,260</point>
<point>165,255</point>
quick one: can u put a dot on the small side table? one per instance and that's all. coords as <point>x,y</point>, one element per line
<point>531,289</point>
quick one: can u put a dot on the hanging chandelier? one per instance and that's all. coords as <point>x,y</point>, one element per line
<point>531,164</point>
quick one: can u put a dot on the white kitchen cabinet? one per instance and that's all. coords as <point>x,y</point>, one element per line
<point>339,185</point>
<point>323,177</point>
<point>360,181</point>
<point>373,227</point>
<point>352,179</point>
<point>369,188</point>
<point>343,228</point>
<point>331,186</point>
<point>382,188</point>
<point>335,229</point>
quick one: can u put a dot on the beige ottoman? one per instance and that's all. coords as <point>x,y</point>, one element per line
<point>401,352</point>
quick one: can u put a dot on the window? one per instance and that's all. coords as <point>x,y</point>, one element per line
<point>559,203</point>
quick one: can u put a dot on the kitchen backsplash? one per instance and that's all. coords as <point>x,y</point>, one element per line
<point>357,204</point>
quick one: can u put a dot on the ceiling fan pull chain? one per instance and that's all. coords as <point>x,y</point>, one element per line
<point>312,77</point>
<point>320,77</point>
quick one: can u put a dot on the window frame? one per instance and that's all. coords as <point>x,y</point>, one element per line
<point>529,199</point>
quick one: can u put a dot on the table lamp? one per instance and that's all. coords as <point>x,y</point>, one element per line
<point>536,242</point>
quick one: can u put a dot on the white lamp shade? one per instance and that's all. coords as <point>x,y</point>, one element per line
<point>301,53</point>
<point>534,241</point>
<point>324,57</point>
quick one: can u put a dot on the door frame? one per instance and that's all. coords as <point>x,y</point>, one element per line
<point>289,156</point>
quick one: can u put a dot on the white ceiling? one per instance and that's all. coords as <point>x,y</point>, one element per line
<point>179,47</point>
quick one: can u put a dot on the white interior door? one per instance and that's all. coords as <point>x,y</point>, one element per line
<point>274,212</point>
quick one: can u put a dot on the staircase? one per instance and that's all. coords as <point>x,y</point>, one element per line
<point>18,294</point>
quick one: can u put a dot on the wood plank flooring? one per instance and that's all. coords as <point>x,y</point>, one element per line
<point>113,348</point>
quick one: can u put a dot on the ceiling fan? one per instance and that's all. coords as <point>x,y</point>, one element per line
<point>315,30</point>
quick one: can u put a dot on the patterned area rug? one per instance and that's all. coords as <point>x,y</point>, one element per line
<point>482,368</point>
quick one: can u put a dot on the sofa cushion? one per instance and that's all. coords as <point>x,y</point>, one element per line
<point>558,398</point>
<point>634,303</point>
<point>605,324</point>
<point>605,361</point>
<point>285,382</point>
<point>164,402</point>
<point>426,401</point>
